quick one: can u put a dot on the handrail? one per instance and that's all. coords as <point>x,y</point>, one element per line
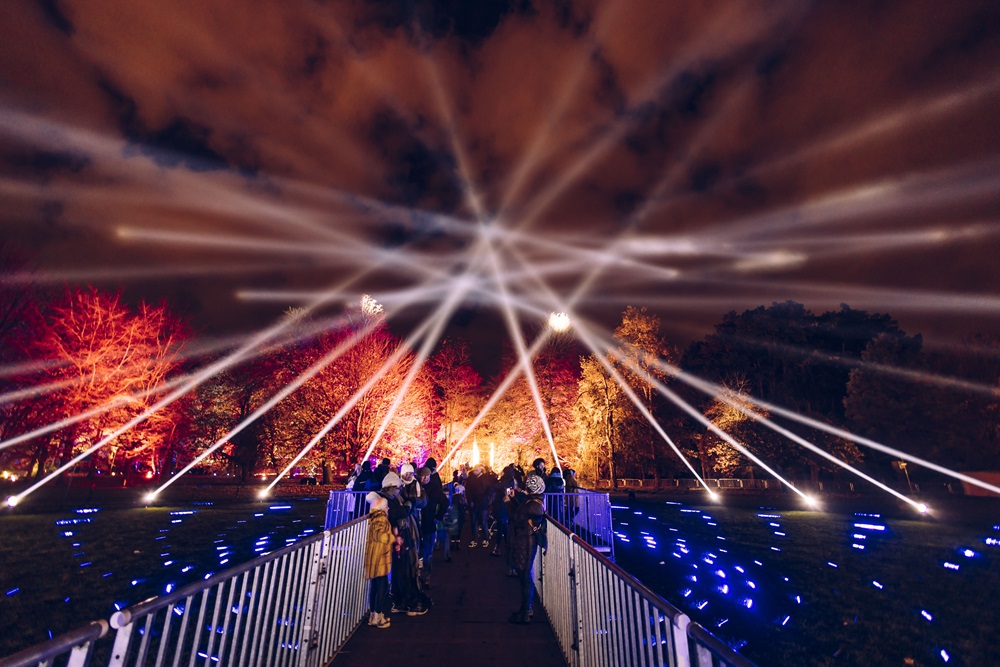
<point>125,616</point>
<point>603,616</point>
<point>77,641</point>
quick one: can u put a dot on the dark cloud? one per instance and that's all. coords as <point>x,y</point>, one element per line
<point>46,164</point>
<point>52,10</point>
<point>417,174</point>
<point>180,142</point>
<point>469,22</point>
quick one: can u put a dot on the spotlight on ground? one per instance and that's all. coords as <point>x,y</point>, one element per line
<point>149,497</point>
<point>559,322</point>
<point>811,502</point>
<point>12,500</point>
<point>262,494</point>
<point>922,508</point>
<point>713,496</point>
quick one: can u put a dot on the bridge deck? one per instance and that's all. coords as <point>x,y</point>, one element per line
<point>472,602</point>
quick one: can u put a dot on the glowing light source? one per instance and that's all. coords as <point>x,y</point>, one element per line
<point>369,306</point>
<point>262,494</point>
<point>559,322</point>
<point>12,501</point>
<point>150,497</point>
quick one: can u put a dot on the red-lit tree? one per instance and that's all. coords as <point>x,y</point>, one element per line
<point>102,353</point>
<point>456,391</point>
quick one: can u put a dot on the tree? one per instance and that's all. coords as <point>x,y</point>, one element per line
<point>600,408</point>
<point>456,391</point>
<point>100,353</point>
<point>640,349</point>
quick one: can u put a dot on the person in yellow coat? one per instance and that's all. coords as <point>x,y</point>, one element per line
<point>378,560</point>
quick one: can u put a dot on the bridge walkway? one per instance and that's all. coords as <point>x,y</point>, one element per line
<point>468,623</point>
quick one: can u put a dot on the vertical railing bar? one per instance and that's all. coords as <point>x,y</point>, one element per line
<point>284,607</point>
<point>213,628</point>
<point>226,637</point>
<point>246,618</point>
<point>140,654</point>
<point>260,607</point>
<point>282,568</point>
<point>182,631</point>
<point>294,635</point>
<point>164,635</point>
<point>196,639</point>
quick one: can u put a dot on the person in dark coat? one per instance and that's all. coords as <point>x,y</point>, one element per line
<point>375,481</point>
<point>505,487</point>
<point>527,533</point>
<point>405,591</point>
<point>554,483</point>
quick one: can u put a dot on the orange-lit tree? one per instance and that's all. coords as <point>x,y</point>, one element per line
<point>456,393</point>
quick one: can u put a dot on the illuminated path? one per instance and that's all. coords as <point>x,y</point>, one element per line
<point>467,625</point>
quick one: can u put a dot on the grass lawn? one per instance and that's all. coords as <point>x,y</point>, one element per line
<point>62,569</point>
<point>823,588</point>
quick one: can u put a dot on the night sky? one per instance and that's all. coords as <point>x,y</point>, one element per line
<point>703,156</point>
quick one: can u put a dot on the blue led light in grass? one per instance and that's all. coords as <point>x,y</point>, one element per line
<point>759,563</point>
<point>87,564</point>
<point>188,568</point>
<point>618,507</point>
<point>168,563</point>
<point>798,599</point>
<point>701,604</point>
<point>769,516</point>
<point>774,524</point>
<point>65,600</point>
<point>261,514</point>
<point>209,575</point>
<point>779,533</point>
<point>740,570</point>
<point>13,591</point>
<point>722,622</point>
<point>785,621</point>
<point>873,516</point>
<point>87,510</point>
<point>945,656</point>
<point>860,547</point>
<point>991,542</point>
<point>870,526</point>
<point>951,566</point>
<point>176,520</point>
<point>877,585</point>
<point>183,512</point>
<point>775,549</point>
<point>724,589</point>
<point>169,587</point>
<point>832,564</point>
<point>107,574</point>
<point>67,533</point>
<point>969,553</point>
<point>751,584</point>
<point>926,614</point>
<point>747,602</point>
<point>859,536</point>
<point>72,522</point>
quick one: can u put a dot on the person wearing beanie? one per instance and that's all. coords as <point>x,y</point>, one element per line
<point>375,481</point>
<point>554,483</point>
<point>404,590</point>
<point>378,560</point>
<point>527,533</point>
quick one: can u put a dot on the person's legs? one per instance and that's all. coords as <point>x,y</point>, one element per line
<point>427,555</point>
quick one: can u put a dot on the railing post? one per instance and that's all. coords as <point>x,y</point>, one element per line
<point>679,627</point>
<point>574,582</point>
<point>120,648</point>
<point>308,638</point>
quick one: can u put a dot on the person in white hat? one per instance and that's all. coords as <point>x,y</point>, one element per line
<point>378,560</point>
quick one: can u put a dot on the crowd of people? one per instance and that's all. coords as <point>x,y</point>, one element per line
<point>413,514</point>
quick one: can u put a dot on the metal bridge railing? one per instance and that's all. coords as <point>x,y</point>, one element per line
<point>296,606</point>
<point>601,615</point>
